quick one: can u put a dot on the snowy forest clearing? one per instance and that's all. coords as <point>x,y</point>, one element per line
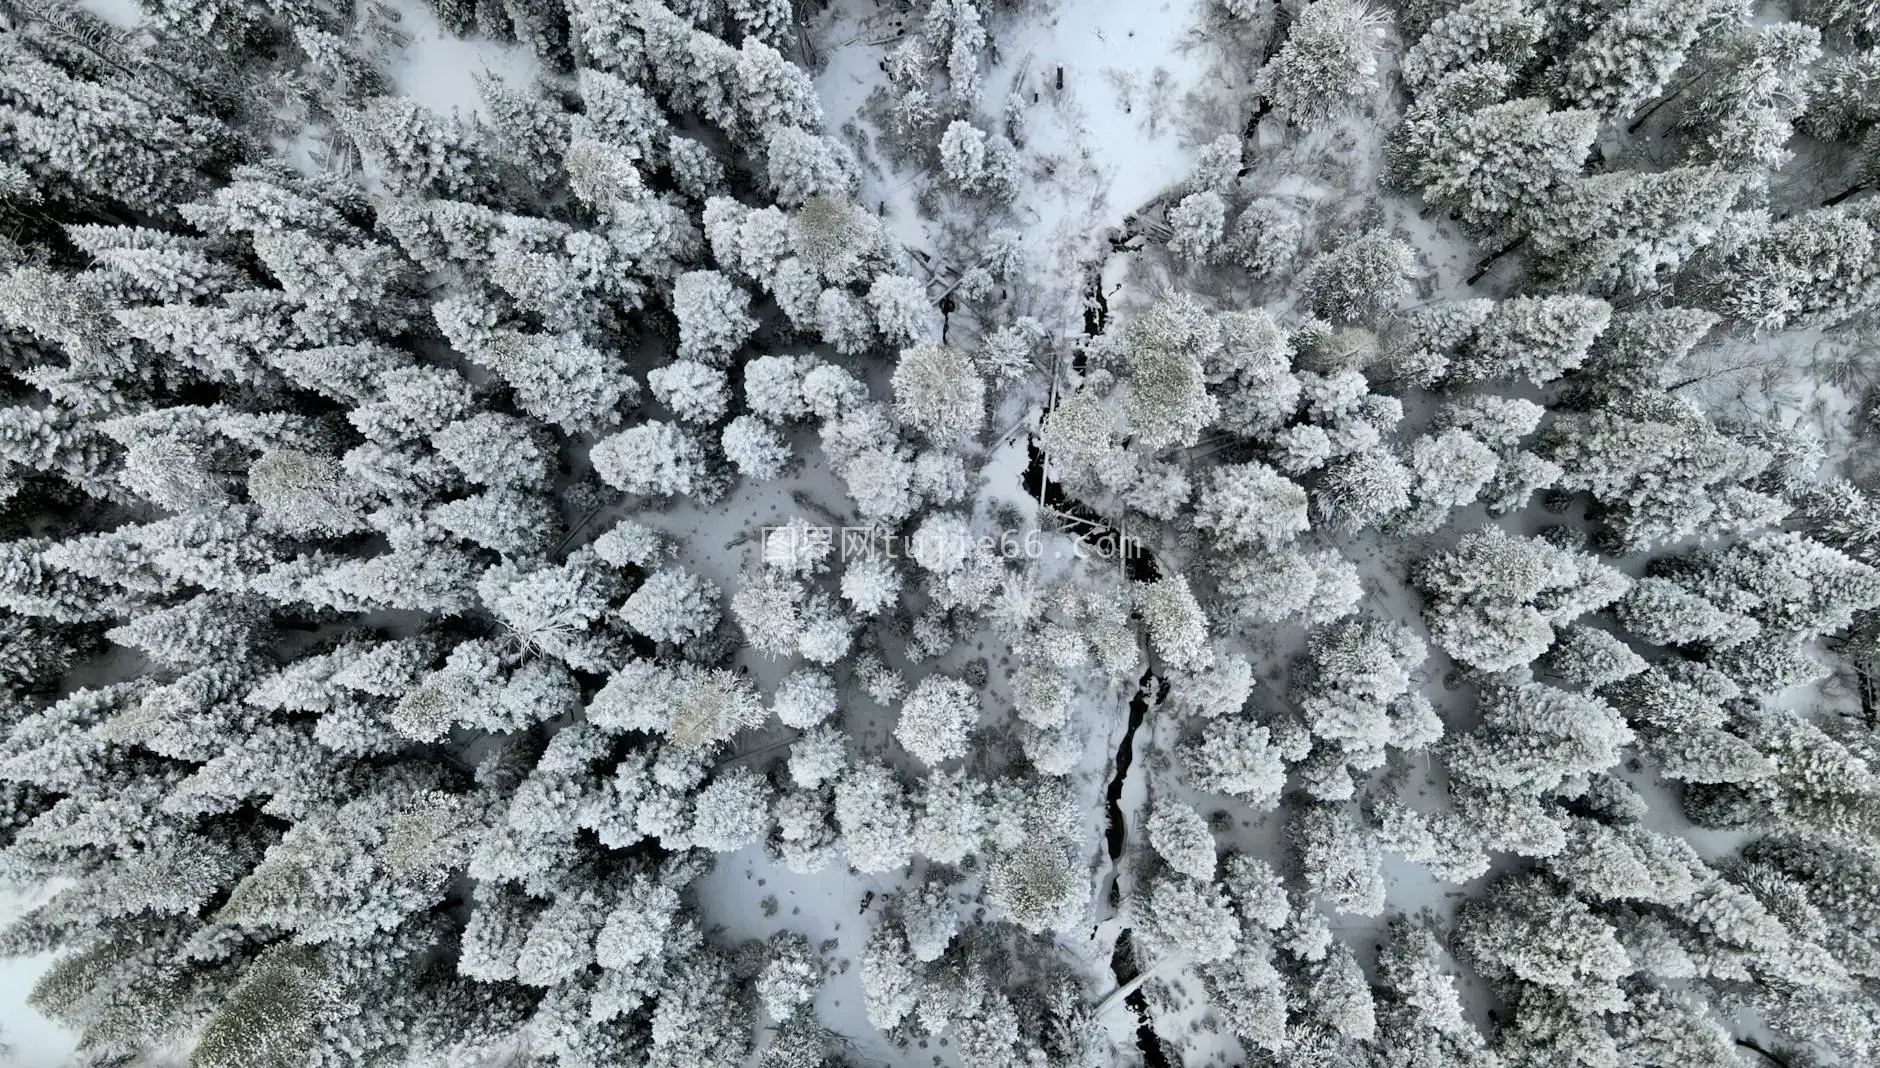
<point>1103,96</point>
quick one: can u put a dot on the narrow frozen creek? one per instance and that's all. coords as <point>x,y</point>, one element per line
<point>1123,798</point>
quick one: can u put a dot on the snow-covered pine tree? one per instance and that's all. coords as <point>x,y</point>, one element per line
<point>1328,65</point>
<point>1496,165</point>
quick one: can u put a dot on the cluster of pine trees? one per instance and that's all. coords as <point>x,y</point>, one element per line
<point>351,735</point>
<point>362,709</point>
<point>1628,607</point>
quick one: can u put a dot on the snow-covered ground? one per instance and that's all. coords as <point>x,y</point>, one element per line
<point>123,14</point>
<point>439,70</point>
<point>1111,97</point>
<point>29,1039</point>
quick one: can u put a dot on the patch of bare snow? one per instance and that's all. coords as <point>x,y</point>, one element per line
<point>438,69</point>
<point>28,1039</point>
<point>1106,84</point>
<point>124,14</point>
<point>305,151</point>
<point>1103,90</point>
<point>747,896</point>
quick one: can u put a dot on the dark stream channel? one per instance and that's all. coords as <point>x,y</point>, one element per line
<point>1140,566</point>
